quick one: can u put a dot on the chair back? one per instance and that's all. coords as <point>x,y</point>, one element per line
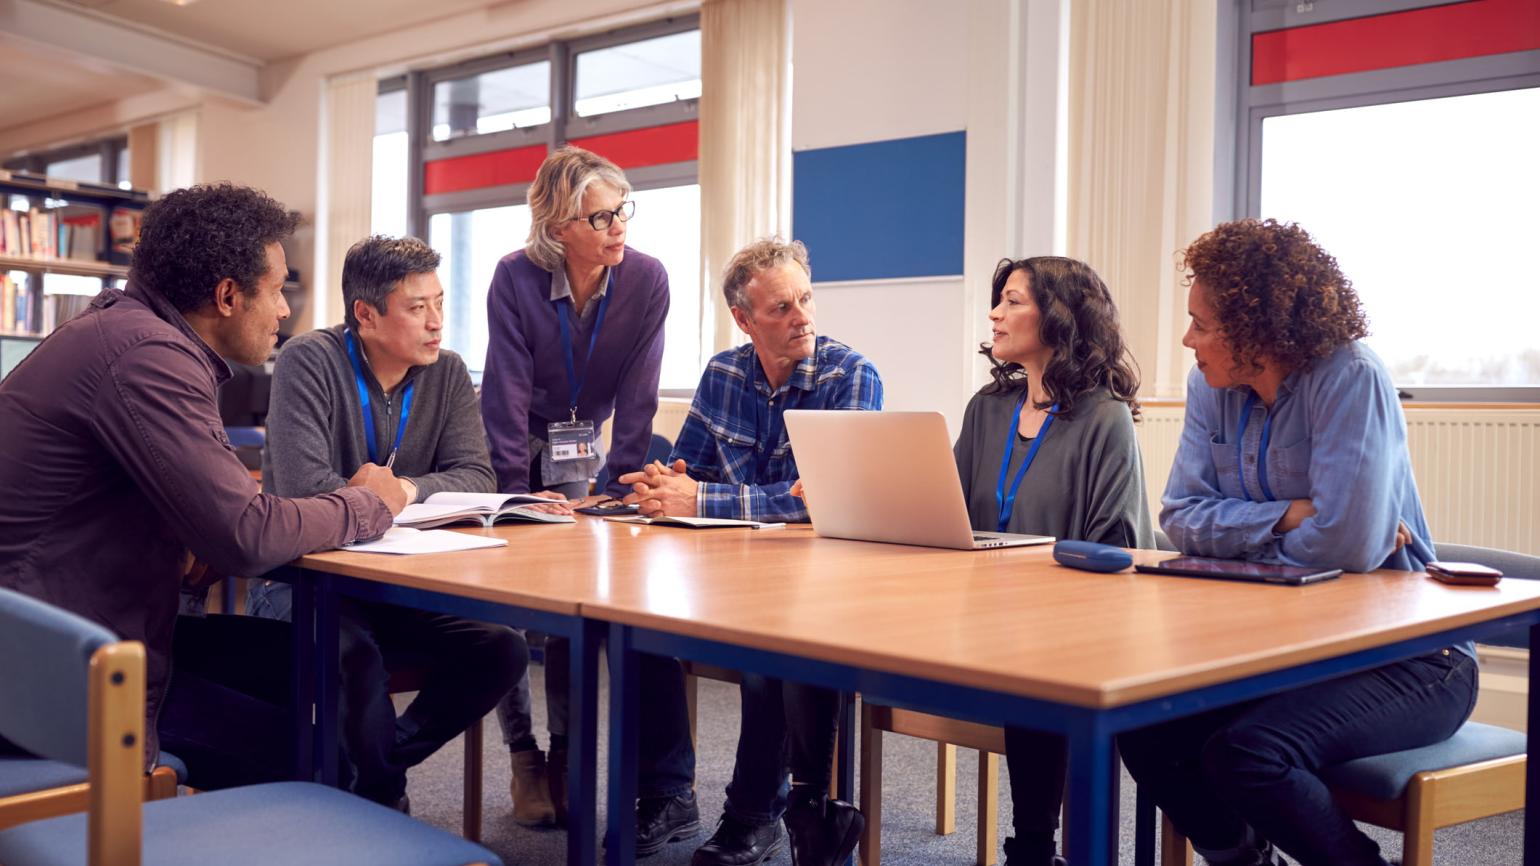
<point>45,660</point>
<point>1518,566</point>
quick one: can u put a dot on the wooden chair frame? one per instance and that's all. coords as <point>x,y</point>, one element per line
<point>159,784</point>
<point>1432,799</point>
<point>948,734</point>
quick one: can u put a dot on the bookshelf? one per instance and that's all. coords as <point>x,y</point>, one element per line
<point>52,227</point>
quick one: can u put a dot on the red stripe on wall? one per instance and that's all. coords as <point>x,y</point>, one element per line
<point>495,168</point>
<point>655,145</point>
<point>1475,28</point>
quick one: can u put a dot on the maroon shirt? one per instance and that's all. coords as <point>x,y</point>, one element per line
<point>116,465</point>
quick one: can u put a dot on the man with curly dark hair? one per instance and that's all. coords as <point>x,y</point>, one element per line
<point>125,475</point>
<point>1293,451</point>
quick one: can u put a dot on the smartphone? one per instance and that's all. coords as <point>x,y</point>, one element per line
<point>1464,573</point>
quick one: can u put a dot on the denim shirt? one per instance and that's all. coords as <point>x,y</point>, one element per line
<point>1337,437</point>
<point>734,440</point>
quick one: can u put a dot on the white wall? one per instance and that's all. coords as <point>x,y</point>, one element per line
<point>875,70</point>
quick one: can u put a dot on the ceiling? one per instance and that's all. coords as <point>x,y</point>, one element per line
<point>42,82</point>
<point>277,29</point>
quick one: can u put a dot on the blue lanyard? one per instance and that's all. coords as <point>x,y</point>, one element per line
<point>1240,445</point>
<point>574,384</point>
<point>363,400</point>
<point>1007,500</point>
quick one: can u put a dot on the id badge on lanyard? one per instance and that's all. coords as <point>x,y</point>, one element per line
<point>572,445</point>
<point>570,440</point>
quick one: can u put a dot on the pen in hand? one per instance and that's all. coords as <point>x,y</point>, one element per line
<point>391,460</point>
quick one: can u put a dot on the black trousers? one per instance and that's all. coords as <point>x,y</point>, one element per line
<point>227,711</point>
<point>469,667</point>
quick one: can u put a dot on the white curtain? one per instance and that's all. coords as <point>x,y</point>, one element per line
<point>745,141</point>
<point>1141,162</point>
<point>343,200</point>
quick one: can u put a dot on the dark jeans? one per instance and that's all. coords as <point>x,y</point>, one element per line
<point>468,666</point>
<point>666,752</point>
<point>784,725</point>
<point>1036,762</point>
<point>227,710</point>
<point>1256,763</point>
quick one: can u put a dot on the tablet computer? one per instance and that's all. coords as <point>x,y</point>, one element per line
<point>1235,569</point>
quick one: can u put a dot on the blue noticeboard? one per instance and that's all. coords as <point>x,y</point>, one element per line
<point>882,210</point>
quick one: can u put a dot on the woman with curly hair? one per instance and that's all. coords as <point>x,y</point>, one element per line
<point>1294,451</point>
<point>1048,448</point>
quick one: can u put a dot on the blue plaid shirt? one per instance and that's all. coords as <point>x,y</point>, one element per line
<point>734,441</point>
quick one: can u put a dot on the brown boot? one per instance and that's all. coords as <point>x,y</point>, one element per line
<point>531,790</point>
<point>557,776</point>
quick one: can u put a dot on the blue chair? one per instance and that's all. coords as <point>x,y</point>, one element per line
<point>33,788</point>
<point>1477,773</point>
<point>70,691</point>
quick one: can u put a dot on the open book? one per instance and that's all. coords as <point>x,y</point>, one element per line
<point>485,509</point>
<point>697,522</point>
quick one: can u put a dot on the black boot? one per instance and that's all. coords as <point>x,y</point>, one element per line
<point>661,820</point>
<point>1027,852</point>
<point>739,843</point>
<point>823,831</point>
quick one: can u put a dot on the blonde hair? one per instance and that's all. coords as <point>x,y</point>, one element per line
<point>556,196</point>
<point>762,255</point>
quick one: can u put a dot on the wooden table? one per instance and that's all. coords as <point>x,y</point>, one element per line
<point>1010,636</point>
<point>994,636</point>
<point>540,581</point>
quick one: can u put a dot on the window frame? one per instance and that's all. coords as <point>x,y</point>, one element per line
<point>563,126</point>
<point>1241,108</point>
<point>109,149</point>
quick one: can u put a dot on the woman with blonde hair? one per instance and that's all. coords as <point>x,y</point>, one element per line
<point>576,340</point>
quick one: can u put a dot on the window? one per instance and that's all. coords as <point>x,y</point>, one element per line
<point>487,124</point>
<point>666,226</point>
<point>514,98</point>
<point>471,244</point>
<point>639,74</point>
<point>104,162</point>
<point>388,195</point>
<point>1412,162</point>
<point>1432,253</point>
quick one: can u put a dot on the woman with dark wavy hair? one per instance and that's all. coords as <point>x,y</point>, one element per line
<point>1048,448</point>
<point>1293,451</point>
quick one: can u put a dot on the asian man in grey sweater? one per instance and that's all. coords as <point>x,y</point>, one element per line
<point>379,389</point>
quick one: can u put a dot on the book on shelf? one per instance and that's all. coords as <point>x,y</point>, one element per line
<point>124,228</point>
<point>16,315</point>
<point>485,509</point>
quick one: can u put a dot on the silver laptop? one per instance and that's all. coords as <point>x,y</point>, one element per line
<point>886,476</point>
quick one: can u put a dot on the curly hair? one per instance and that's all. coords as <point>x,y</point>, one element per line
<point>195,238</point>
<point>1277,295</point>
<point>1079,322</point>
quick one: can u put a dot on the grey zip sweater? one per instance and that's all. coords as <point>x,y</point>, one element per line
<point>315,428</point>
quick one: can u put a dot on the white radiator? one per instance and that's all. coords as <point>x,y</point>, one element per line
<point>1478,470</point>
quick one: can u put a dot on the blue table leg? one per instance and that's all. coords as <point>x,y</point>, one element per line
<point>1532,766</point>
<point>1144,828</point>
<point>845,785</point>
<point>625,706</point>
<point>304,685</point>
<point>328,678</point>
<point>1089,840</point>
<point>582,756</point>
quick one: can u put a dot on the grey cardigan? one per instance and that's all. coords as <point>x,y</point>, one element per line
<point>315,429</point>
<point>1086,483</point>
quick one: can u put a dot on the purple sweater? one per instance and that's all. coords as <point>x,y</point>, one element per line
<point>524,385</point>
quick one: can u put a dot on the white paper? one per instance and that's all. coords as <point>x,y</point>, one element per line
<point>405,540</point>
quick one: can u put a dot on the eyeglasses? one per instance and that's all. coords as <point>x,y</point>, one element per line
<point>601,220</point>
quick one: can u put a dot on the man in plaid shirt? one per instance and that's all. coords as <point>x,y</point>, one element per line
<point>732,459</point>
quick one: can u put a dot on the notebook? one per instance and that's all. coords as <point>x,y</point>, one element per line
<point>406,540</point>
<point>481,509</point>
